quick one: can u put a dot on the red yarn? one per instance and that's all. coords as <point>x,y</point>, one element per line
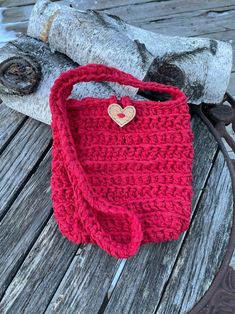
<point>120,187</point>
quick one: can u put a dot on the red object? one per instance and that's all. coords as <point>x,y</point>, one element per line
<point>120,187</point>
<point>121,115</point>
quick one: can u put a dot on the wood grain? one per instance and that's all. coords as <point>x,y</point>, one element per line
<point>158,7</point>
<point>196,268</point>
<point>20,158</point>
<point>16,14</point>
<point>24,221</point>
<point>85,283</point>
<point>42,270</point>
<point>10,122</point>
<point>231,87</point>
<point>16,3</point>
<point>206,16</point>
<point>198,23</point>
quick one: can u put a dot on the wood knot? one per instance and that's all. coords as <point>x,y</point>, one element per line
<point>164,73</point>
<point>170,74</point>
<point>19,75</point>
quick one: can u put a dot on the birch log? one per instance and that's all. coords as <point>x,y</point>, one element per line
<point>27,71</point>
<point>200,67</point>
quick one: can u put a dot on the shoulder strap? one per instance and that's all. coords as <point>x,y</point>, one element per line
<point>63,85</point>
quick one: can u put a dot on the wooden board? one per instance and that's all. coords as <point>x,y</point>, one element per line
<point>231,87</point>
<point>10,123</point>
<point>15,3</point>
<point>16,14</point>
<point>26,218</point>
<point>151,14</point>
<point>161,7</point>
<point>197,268</point>
<point>140,11</point>
<point>40,274</point>
<point>17,162</point>
<point>196,264</point>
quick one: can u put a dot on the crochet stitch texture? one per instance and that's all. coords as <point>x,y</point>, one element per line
<point>120,187</point>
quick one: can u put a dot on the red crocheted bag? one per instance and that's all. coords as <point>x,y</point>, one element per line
<point>120,177</point>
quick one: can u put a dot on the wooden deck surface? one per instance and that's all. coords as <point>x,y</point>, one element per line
<point>42,272</point>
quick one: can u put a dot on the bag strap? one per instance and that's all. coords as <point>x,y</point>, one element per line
<point>63,85</point>
<point>86,202</point>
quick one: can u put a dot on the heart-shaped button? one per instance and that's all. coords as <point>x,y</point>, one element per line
<point>120,115</point>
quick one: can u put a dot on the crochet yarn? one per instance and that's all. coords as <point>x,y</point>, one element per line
<point>120,187</point>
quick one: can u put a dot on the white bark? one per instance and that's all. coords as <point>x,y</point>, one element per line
<point>200,67</point>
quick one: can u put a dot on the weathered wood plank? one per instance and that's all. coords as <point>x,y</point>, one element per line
<point>10,123</point>
<point>81,3</point>
<point>226,35</point>
<point>232,263</point>
<point>24,221</point>
<point>155,260</point>
<point>84,286</point>
<point>18,11</point>
<point>17,28</point>
<point>156,16</point>
<point>196,265</point>
<point>19,159</point>
<point>231,87</point>
<point>16,14</point>
<point>107,4</point>
<point>174,17</point>
<point>43,269</point>
<point>20,3</point>
<point>209,232</point>
<point>16,3</point>
<point>5,35</point>
<point>160,7</point>
<point>148,12</point>
<point>41,272</point>
<point>190,24</point>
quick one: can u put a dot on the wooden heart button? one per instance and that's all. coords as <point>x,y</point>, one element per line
<point>120,115</point>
